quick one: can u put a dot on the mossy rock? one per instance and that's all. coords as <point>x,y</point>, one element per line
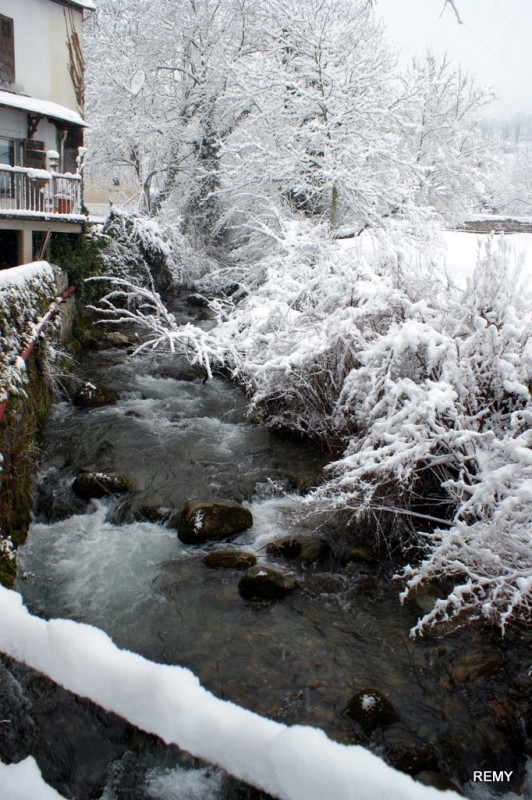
<point>99,339</point>
<point>371,709</point>
<point>230,559</point>
<point>8,570</point>
<point>91,396</point>
<point>302,548</point>
<point>99,484</point>
<point>265,583</point>
<point>221,519</point>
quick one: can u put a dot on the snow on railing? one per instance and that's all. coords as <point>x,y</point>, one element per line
<point>289,762</point>
<point>39,192</point>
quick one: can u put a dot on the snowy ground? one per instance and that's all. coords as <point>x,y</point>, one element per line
<point>460,257</point>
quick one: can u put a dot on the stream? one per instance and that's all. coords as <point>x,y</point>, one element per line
<point>460,697</point>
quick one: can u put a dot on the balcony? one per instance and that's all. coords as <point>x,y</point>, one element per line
<point>38,193</point>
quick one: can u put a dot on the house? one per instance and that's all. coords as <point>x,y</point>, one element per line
<point>41,124</point>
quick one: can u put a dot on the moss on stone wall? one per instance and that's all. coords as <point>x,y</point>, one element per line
<point>80,255</point>
<point>18,431</point>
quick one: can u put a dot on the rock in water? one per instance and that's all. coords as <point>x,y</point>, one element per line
<point>92,396</point>
<point>265,583</point>
<point>372,710</point>
<point>99,484</point>
<point>230,559</point>
<point>304,547</point>
<point>197,301</point>
<point>201,522</point>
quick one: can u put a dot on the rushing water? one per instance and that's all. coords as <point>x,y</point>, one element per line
<point>297,660</point>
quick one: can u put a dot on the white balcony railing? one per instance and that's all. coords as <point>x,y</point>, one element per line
<point>38,192</point>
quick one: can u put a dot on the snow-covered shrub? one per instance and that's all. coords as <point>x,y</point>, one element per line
<point>135,304</point>
<point>429,394</point>
<point>301,332</point>
<point>140,249</point>
<point>441,403</point>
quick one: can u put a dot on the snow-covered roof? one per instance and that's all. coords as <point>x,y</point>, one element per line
<point>82,4</point>
<point>43,107</point>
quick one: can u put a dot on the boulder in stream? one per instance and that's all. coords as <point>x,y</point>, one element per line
<point>91,396</point>
<point>265,583</point>
<point>303,547</point>
<point>99,339</point>
<point>371,709</point>
<point>89,484</point>
<point>361,554</point>
<point>219,519</point>
<point>197,301</point>
<point>230,559</point>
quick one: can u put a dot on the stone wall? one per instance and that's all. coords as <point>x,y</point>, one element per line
<point>18,432</point>
<point>498,225</point>
<point>25,294</point>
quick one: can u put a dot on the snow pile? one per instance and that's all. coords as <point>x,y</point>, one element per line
<point>291,763</point>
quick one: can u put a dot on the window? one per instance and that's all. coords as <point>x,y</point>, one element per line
<point>33,154</point>
<point>7,50</point>
<point>7,156</point>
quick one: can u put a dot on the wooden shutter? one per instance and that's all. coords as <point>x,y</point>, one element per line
<point>7,50</point>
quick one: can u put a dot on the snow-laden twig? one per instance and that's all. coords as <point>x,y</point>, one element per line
<point>130,303</point>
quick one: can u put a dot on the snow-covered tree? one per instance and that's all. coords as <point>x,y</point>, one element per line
<point>157,96</point>
<point>323,133</point>
<point>442,112</point>
<point>128,137</point>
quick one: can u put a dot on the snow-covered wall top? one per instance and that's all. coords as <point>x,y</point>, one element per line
<point>290,763</point>
<point>41,29</point>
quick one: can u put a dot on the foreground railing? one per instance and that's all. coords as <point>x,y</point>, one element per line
<point>39,192</point>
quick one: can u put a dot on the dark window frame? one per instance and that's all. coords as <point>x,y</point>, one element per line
<point>7,50</point>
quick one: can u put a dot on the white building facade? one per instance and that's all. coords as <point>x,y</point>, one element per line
<point>41,124</point>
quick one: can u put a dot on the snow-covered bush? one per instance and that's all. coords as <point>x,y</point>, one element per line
<point>441,404</point>
<point>142,307</point>
<point>140,249</point>
<point>429,394</point>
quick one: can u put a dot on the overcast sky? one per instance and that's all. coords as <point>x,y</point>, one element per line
<point>495,42</point>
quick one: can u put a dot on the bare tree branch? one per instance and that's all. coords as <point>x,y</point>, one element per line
<point>454,8</point>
